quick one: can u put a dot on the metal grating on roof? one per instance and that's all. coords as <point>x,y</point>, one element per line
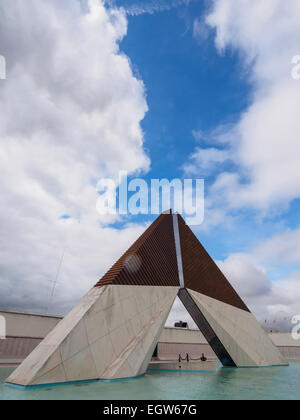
<point>150,261</point>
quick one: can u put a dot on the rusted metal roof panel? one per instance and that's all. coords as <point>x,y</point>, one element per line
<point>201,273</point>
<point>150,261</point>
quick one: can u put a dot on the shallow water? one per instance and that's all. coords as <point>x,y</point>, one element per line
<point>226,383</point>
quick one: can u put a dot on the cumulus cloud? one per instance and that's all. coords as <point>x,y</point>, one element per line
<point>250,280</point>
<point>134,8</point>
<point>264,142</point>
<point>200,29</point>
<point>204,161</point>
<point>283,248</point>
<point>273,303</point>
<point>70,114</point>
<point>264,145</point>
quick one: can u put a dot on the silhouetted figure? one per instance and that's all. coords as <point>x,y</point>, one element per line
<point>203,358</point>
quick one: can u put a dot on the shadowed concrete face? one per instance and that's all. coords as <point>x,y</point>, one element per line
<point>112,332</point>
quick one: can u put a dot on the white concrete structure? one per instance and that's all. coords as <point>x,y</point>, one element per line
<point>110,334</point>
<point>172,342</point>
<point>195,366</point>
<point>113,331</point>
<point>36,326</point>
<point>23,333</point>
<point>240,333</point>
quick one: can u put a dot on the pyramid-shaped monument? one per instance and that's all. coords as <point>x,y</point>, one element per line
<point>113,331</point>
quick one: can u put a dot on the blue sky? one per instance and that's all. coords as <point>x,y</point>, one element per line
<point>191,87</point>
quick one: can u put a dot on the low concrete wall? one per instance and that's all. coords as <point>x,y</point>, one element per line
<point>177,341</point>
<point>28,325</point>
<point>25,331</point>
<point>16,349</point>
<point>167,351</point>
<point>184,366</point>
<point>180,335</point>
<point>284,340</point>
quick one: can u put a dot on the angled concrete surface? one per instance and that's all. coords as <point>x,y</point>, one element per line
<point>240,333</point>
<point>110,334</point>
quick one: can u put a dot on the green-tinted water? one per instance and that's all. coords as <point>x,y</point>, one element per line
<point>267,383</point>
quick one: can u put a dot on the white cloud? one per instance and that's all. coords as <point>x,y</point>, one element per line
<point>200,29</point>
<point>264,143</point>
<point>249,273</point>
<point>151,6</point>
<point>283,248</point>
<point>70,114</point>
<point>205,160</point>
<point>220,135</point>
<point>240,270</point>
<point>198,135</point>
<point>274,302</point>
<point>179,313</point>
